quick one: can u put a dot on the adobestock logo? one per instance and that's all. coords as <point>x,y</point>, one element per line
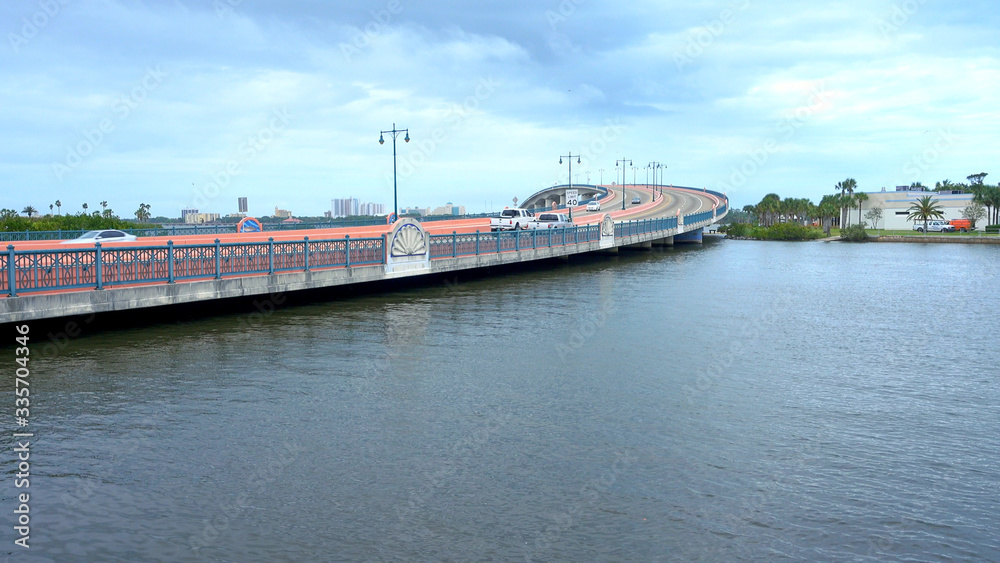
<point>121,110</point>
<point>918,165</point>
<point>786,127</point>
<point>376,26</point>
<point>699,41</point>
<point>30,27</point>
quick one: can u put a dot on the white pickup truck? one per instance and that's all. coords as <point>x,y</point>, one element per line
<point>511,220</point>
<point>935,226</point>
<point>551,221</point>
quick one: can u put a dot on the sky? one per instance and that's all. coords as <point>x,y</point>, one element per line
<point>194,103</point>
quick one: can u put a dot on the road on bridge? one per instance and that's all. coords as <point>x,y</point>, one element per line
<point>684,200</point>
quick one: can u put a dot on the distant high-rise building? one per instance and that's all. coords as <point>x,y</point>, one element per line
<point>186,212</point>
<point>344,207</point>
<point>349,206</point>
<point>243,204</point>
<point>282,213</point>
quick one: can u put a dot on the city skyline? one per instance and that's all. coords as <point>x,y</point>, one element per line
<point>250,99</point>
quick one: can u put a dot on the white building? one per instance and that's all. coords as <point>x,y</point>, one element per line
<point>198,218</point>
<point>895,205</point>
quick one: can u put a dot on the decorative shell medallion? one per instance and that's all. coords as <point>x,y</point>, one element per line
<point>409,241</point>
<point>608,226</point>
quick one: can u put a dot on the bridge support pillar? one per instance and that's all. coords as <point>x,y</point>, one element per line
<point>690,237</point>
<point>646,245</point>
<point>666,241</point>
<point>612,250</point>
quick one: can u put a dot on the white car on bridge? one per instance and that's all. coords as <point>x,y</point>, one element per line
<point>551,221</point>
<point>102,236</point>
<point>511,220</point>
<point>594,206</point>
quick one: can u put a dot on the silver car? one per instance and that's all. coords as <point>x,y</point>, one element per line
<point>102,236</point>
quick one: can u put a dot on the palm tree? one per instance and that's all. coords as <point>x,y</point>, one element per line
<point>104,204</point>
<point>846,188</point>
<point>826,209</point>
<point>768,209</point>
<point>85,207</point>
<point>750,210</point>
<point>59,206</point>
<point>945,185</point>
<point>924,209</point>
<point>988,197</point>
<point>50,208</point>
<point>992,197</point>
<point>846,203</point>
<point>142,214</point>
<point>860,197</point>
<point>29,210</point>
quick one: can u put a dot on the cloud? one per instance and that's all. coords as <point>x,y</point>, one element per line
<point>345,71</point>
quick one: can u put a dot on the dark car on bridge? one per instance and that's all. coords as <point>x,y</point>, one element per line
<point>636,200</point>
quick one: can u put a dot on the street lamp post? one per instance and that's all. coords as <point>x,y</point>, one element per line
<point>602,175</point>
<point>623,162</point>
<point>662,167</point>
<point>381,140</point>
<point>656,166</point>
<point>570,158</point>
<point>653,166</point>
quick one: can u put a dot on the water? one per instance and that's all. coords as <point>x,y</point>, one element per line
<point>737,401</point>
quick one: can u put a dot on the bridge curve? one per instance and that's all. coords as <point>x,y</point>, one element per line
<point>555,196</point>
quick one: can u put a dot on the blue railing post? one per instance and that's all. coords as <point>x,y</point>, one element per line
<point>218,260</point>
<point>347,250</point>
<point>270,255</point>
<point>97,267</point>
<point>477,242</point>
<point>11,278</point>
<point>307,253</point>
<point>534,238</point>
<point>170,261</point>
<point>454,244</point>
<point>517,240</point>
<point>498,240</point>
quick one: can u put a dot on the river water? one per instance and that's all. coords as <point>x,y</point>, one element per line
<point>733,401</point>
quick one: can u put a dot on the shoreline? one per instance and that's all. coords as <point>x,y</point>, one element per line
<point>936,239</point>
<point>893,238</point>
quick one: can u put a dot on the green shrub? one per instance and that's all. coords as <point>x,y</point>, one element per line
<point>854,233</point>
<point>993,228</point>
<point>780,231</point>
<point>789,231</point>
<point>737,230</point>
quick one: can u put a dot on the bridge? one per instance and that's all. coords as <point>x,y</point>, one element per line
<point>43,280</point>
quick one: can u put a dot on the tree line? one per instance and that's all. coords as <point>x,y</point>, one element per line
<point>837,208</point>
<point>10,220</point>
<point>55,210</point>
